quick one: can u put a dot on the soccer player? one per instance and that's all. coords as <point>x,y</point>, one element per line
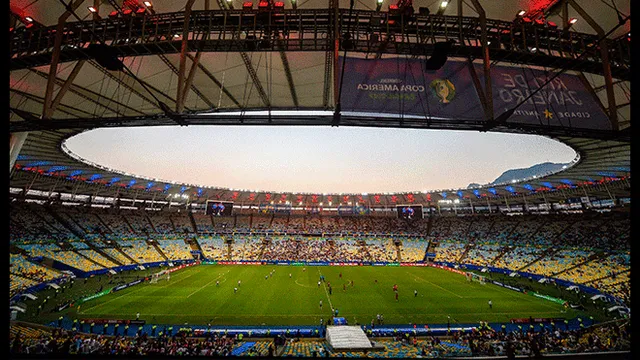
<point>138,316</point>
<point>320,304</point>
<point>395,287</point>
<point>168,277</point>
<point>351,283</point>
<point>238,283</point>
<point>318,283</point>
<point>217,282</point>
<point>289,275</point>
<point>235,290</point>
<point>266,277</point>
<point>330,290</point>
<point>415,293</point>
<point>396,296</point>
<point>344,287</point>
<point>490,305</point>
<point>340,275</point>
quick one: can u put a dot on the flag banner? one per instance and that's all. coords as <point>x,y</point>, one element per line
<point>401,85</point>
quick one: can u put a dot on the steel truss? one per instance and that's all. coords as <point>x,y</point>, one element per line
<point>312,30</point>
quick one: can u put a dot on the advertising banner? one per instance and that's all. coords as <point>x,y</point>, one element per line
<point>114,321</point>
<point>94,296</point>
<point>564,102</point>
<point>449,269</point>
<point>124,286</point>
<point>402,86</point>
<point>547,297</point>
<point>506,286</point>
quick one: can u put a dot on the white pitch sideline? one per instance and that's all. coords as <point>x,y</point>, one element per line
<point>343,338</point>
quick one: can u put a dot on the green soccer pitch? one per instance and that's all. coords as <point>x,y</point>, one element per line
<point>192,296</point>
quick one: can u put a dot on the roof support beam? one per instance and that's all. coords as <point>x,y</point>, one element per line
<point>15,145</point>
<point>247,62</point>
<point>485,58</point>
<point>216,81</point>
<point>256,81</point>
<point>64,88</point>
<point>76,89</point>
<point>602,87</point>
<point>122,83</point>
<point>39,99</point>
<point>287,72</point>
<point>606,65</point>
<point>183,59</point>
<point>55,59</point>
<point>195,90</point>
<point>189,81</point>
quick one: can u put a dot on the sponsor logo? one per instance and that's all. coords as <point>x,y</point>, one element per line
<point>443,90</point>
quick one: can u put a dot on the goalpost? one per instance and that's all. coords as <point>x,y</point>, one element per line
<point>159,276</point>
<point>475,277</point>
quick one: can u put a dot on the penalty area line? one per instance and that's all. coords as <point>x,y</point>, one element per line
<point>207,284</point>
<point>436,285</point>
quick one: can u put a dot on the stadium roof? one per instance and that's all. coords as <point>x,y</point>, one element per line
<point>234,82</point>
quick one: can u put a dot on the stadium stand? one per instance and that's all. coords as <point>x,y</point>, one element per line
<point>483,254</point>
<point>114,253</point>
<point>181,222</point>
<point>93,255</point>
<point>116,223</point>
<point>204,224</point>
<point>26,269</point>
<point>175,249</point>
<point>449,251</point>
<point>413,250</point>
<point>161,222</point>
<point>139,222</point>
<point>558,261</point>
<point>214,248</point>
<point>140,251</point>
<point>518,257</point>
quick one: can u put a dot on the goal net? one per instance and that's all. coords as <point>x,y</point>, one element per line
<point>475,277</point>
<point>162,275</point>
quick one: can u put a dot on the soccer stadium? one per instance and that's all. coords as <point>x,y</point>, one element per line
<point>115,262</point>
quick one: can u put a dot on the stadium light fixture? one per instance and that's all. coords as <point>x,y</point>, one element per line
<point>92,9</point>
<point>148,4</point>
<point>28,19</point>
<point>442,7</point>
<point>573,21</point>
<point>521,13</point>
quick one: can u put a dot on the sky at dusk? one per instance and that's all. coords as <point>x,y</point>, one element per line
<point>316,159</point>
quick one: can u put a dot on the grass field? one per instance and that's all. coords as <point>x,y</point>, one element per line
<point>191,296</point>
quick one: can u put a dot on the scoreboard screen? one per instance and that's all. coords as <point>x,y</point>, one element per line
<point>409,212</point>
<point>219,208</point>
